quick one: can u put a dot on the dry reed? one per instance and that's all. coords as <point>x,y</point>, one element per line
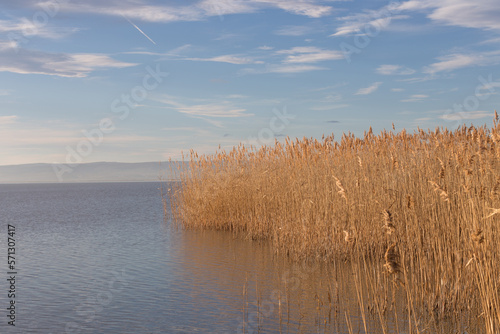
<point>324,199</point>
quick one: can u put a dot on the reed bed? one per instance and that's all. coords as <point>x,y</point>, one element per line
<point>418,214</point>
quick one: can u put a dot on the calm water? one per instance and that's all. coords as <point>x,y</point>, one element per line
<point>100,258</point>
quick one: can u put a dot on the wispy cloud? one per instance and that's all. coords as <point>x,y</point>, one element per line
<point>172,53</point>
<point>298,7</point>
<point>210,109</point>
<point>282,69</point>
<point>466,115</point>
<point>394,70</point>
<point>369,90</point>
<point>231,59</point>
<point>195,11</point>
<point>28,28</point>
<point>462,13</point>
<point>265,47</point>
<point>357,24</point>
<point>450,63</point>
<point>223,109</point>
<point>223,7</point>
<point>461,60</point>
<point>495,40</point>
<point>416,98</point>
<point>58,64</point>
<point>294,68</point>
<point>309,54</point>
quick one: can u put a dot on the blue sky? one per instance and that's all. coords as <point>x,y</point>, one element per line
<point>144,80</point>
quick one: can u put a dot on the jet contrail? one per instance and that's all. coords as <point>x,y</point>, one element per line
<point>136,27</point>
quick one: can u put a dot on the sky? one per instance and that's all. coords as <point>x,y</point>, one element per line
<point>147,80</point>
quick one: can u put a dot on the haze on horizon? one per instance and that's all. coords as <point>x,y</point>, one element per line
<point>90,172</point>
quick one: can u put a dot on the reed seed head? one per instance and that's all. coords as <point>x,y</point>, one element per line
<point>391,260</point>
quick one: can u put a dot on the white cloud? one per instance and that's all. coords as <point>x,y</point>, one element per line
<point>195,11</point>
<point>309,54</point>
<point>394,70</point>
<point>466,115</point>
<point>416,98</point>
<point>462,13</point>
<point>225,7</point>
<point>419,79</point>
<point>397,89</point>
<point>450,63</point>
<point>265,48</point>
<point>294,68</point>
<point>298,7</point>
<point>231,59</point>
<point>460,60</point>
<point>314,57</point>
<point>26,28</point>
<point>140,11</point>
<point>369,90</point>
<point>282,69</point>
<point>465,13</point>
<point>59,64</point>
<point>371,22</point>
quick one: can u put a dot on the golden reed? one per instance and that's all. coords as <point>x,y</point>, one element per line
<point>422,205</point>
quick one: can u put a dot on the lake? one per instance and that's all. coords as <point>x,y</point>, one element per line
<point>101,258</point>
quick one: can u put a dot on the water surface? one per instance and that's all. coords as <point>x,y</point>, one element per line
<point>101,258</point>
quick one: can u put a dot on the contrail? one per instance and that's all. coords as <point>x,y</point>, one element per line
<point>136,27</point>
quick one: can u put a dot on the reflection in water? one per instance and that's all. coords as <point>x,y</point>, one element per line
<point>99,258</point>
<point>231,278</point>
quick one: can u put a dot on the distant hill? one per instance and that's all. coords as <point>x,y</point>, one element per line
<point>89,172</point>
